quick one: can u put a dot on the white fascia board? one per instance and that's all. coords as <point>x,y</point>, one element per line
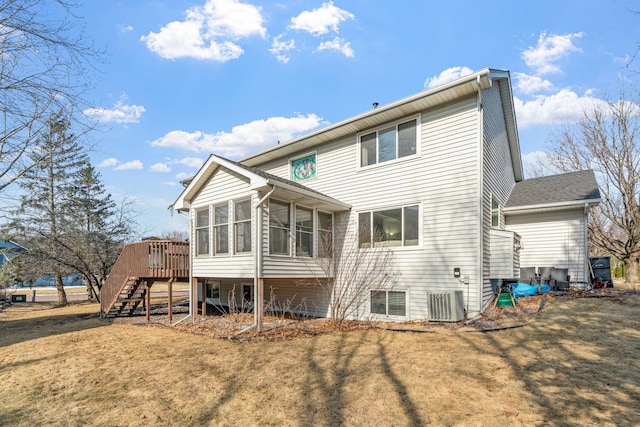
<point>337,204</point>
<point>183,202</point>
<point>519,210</point>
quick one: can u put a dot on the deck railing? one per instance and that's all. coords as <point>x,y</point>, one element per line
<point>149,259</point>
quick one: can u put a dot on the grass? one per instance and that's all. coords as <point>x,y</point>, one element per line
<point>576,364</point>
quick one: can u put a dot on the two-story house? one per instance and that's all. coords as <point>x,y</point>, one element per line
<point>433,182</point>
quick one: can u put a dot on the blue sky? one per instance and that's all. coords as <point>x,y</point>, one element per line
<point>183,79</point>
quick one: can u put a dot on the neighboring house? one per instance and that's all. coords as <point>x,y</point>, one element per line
<point>436,178</point>
<point>9,249</point>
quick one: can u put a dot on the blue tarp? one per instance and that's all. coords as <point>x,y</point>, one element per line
<point>520,290</point>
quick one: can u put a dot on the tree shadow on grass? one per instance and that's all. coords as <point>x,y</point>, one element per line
<point>578,362</point>
<point>22,330</point>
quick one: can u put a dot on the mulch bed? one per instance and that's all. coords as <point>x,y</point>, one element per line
<point>230,326</point>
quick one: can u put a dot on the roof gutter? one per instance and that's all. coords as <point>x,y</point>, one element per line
<point>520,210</point>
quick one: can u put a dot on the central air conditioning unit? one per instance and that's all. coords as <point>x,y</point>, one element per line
<point>445,306</point>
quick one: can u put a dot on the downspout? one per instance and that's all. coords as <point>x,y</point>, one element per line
<point>480,254</point>
<point>257,313</point>
<point>587,262</point>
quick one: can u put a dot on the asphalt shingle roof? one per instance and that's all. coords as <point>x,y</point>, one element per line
<point>556,189</point>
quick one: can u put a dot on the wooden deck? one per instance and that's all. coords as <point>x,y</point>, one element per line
<point>138,266</point>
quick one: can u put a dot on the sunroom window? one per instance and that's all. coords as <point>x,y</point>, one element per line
<point>202,232</point>
<point>242,226</point>
<point>279,227</point>
<point>389,143</point>
<point>221,229</point>
<point>495,213</point>
<point>304,231</point>
<point>325,234</point>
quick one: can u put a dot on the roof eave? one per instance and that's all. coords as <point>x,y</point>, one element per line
<point>549,207</point>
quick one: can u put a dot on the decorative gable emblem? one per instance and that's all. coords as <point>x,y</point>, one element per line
<point>303,168</point>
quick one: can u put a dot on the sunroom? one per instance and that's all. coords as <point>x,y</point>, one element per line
<point>232,207</point>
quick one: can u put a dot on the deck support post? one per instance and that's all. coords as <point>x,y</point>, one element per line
<point>204,298</point>
<point>170,303</point>
<point>148,300</point>
<point>193,303</point>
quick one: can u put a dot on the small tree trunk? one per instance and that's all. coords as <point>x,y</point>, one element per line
<point>62,295</point>
<point>631,271</point>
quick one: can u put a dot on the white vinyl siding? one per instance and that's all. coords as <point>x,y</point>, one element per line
<point>224,187</point>
<point>446,185</point>
<point>497,180</point>
<point>554,239</point>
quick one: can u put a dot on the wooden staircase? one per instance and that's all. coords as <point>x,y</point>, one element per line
<point>137,268</point>
<point>133,292</point>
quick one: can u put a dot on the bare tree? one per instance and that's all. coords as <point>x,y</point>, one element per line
<point>353,267</point>
<point>607,140</point>
<point>45,61</point>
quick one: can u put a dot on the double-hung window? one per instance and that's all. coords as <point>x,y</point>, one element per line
<point>221,229</point>
<point>389,143</point>
<point>389,227</point>
<point>202,231</point>
<point>242,226</point>
<point>495,213</point>
<point>279,227</point>
<point>389,303</point>
<point>304,231</point>
<point>325,235</point>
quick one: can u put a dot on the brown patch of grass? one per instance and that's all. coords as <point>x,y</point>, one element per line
<point>575,364</point>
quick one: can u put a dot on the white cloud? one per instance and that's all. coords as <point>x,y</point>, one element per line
<point>242,139</point>
<point>529,84</point>
<point>208,32</point>
<point>160,167</point>
<point>535,164</point>
<point>320,21</point>
<point>120,113</point>
<point>563,107</point>
<point>280,49</point>
<point>446,76</point>
<point>132,165</point>
<point>107,163</point>
<point>183,175</point>
<point>125,28</point>
<point>338,45</point>
<point>170,183</point>
<point>191,162</point>
<point>550,49</point>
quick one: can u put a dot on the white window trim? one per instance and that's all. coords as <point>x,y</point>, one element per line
<point>290,232</point>
<point>232,220</point>
<point>214,251</point>
<point>383,208</point>
<point>499,226</point>
<point>196,228</point>
<point>389,316</point>
<point>417,118</point>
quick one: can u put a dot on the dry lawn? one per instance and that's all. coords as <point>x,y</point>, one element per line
<point>576,363</point>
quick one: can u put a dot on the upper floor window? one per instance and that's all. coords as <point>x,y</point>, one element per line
<point>389,227</point>
<point>202,231</point>
<point>389,143</point>
<point>242,226</point>
<point>279,227</point>
<point>221,229</point>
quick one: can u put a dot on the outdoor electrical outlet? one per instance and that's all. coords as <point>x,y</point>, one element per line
<point>456,272</point>
<point>466,280</point>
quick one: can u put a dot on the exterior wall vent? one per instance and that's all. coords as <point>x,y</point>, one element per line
<point>445,306</point>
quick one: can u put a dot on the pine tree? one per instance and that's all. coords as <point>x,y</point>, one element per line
<point>45,206</point>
